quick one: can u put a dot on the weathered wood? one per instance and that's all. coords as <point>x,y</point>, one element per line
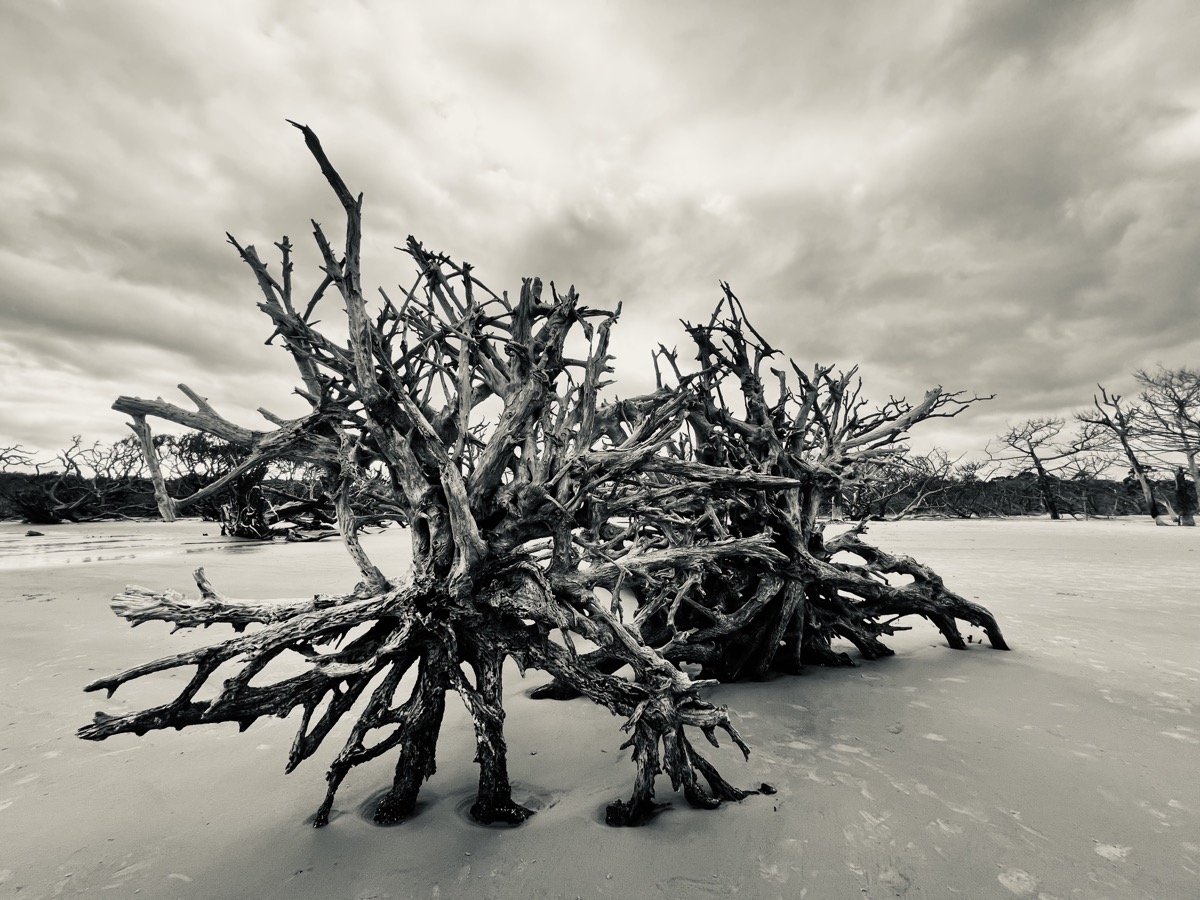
<point>166,506</point>
<point>540,526</point>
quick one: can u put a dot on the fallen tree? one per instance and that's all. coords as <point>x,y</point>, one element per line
<point>665,532</point>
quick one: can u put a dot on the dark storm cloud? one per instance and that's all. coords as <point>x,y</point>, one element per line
<point>990,246</point>
<point>985,37</point>
<point>997,197</point>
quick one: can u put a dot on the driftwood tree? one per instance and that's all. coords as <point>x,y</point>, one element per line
<point>818,431</point>
<point>900,486</point>
<point>1170,425</point>
<point>966,492</point>
<point>1111,420</point>
<point>662,530</point>
<point>194,461</point>
<point>1033,445</point>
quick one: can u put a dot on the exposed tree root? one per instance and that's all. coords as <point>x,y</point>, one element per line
<point>667,531</point>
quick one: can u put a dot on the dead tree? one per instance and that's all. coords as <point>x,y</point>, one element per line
<point>1170,424</point>
<point>896,487</point>
<point>817,430</point>
<point>1032,444</point>
<point>966,492</point>
<point>1084,473</point>
<point>1118,423</point>
<point>535,511</point>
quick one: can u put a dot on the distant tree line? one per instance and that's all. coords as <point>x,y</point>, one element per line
<point>1118,457</point>
<point>86,483</point>
<point>934,485</point>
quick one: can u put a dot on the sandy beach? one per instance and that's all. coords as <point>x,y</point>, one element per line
<point>1066,768</point>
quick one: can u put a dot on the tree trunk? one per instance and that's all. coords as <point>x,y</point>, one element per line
<point>1190,453</point>
<point>485,703</point>
<point>1044,486</point>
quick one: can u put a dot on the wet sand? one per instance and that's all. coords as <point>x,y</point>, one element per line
<point>1067,768</point>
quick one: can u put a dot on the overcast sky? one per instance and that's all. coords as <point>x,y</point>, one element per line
<point>997,197</point>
